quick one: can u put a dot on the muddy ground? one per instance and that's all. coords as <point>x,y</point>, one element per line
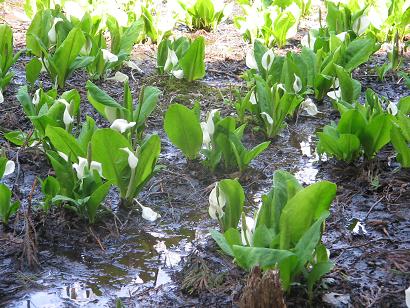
<point>173,262</point>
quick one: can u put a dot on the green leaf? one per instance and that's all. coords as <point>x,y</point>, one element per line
<point>64,142</point>
<point>95,200</point>
<point>183,129</point>
<point>103,103</point>
<point>235,198</point>
<point>376,134</point>
<point>401,147</point>
<point>306,206</point>
<point>284,187</point>
<point>147,160</point>
<point>349,87</point>
<point>249,257</point>
<point>318,270</point>
<point>33,69</point>
<point>192,63</point>
<point>106,147</point>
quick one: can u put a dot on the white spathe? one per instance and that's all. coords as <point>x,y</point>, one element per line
<point>148,213</point>
<point>1,97</point>
<point>67,118</point>
<point>297,84</point>
<point>108,56</point>
<point>83,164</point>
<point>267,117</point>
<point>172,60</point>
<point>309,106</point>
<point>247,231</point>
<point>52,34</point>
<point>267,59</point>
<point>9,168</point>
<point>132,159</point>
<point>252,98</point>
<point>392,108</point>
<point>121,125</point>
<point>120,77</point>
<point>36,97</point>
<point>250,60</point>
<point>217,201</point>
<point>361,24</point>
<point>179,74</point>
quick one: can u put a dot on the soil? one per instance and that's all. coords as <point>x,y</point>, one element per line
<point>174,262</point>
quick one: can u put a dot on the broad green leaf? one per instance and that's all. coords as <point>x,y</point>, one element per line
<point>284,188</point>
<point>376,134</point>
<point>64,142</point>
<point>106,147</point>
<point>249,257</point>
<point>235,199</point>
<point>183,129</point>
<point>33,69</point>
<point>306,206</point>
<point>95,200</point>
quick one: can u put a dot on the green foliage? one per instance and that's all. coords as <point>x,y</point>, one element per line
<point>7,207</point>
<point>270,104</point>
<point>272,24</point>
<point>205,14</point>
<point>183,129</point>
<point>7,58</point>
<point>111,110</point>
<point>361,129</point>
<point>182,58</point>
<point>287,232</point>
<point>45,109</point>
<point>126,168</point>
<point>220,138</point>
<point>400,132</point>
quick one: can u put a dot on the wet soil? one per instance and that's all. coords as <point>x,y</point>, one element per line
<point>173,262</point>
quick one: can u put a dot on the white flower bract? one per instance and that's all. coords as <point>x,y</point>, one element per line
<point>217,201</point>
<point>132,158</point>
<point>121,125</point>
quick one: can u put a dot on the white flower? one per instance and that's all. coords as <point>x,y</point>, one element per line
<point>308,41</point>
<point>83,164</point>
<point>9,168</point>
<point>297,84</point>
<point>407,292</point>
<point>250,60</point>
<point>247,231</point>
<point>108,56</point>
<point>310,107</point>
<point>67,118</point>
<point>334,94</point>
<point>267,59</point>
<point>342,36</point>
<point>132,65</point>
<point>206,137</point>
<point>217,201</point>
<point>281,86</point>
<point>72,8</point>
<point>252,98</point>
<point>52,34</point>
<point>120,77</point>
<point>392,108</point>
<point>267,117</point>
<point>132,159</point>
<point>80,167</point>
<point>179,74</point>
<point>63,155</point>
<point>36,97</point>
<point>121,125</point>
<point>1,97</point>
<point>148,213</point>
<point>172,60</point>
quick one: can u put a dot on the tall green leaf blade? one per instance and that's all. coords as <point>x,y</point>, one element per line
<point>192,63</point>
